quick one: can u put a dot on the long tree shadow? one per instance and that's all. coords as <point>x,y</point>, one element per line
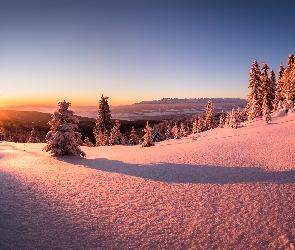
<point>184,173</point>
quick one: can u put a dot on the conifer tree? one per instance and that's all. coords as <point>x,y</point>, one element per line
<point>265,109</point>
<point>182,131</point>
<point>278,99</point>
<point>63,137</point>
<point>103,124</point>
<point>33,138</point>
<point>168,134</point>
<point>195,126</point>
<point>175,131</point>
<point>222,119</point>
<point>147,139</point>
<point>268,85</point>
<point>115,134</point>
<point>288,91</point>
<point>201,123</point>
<point>227,119</point>
<point>272,89</point>
<point>264,77</point>
<point>157,134</point>
<point>254,98</point>
<point>210,116</point>
<point>133,138</point>
<point>233,121</point>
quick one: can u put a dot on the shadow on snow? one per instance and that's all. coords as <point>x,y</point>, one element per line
<point>184,173</point>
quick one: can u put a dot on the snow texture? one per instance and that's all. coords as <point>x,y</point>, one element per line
<point>229,189</point>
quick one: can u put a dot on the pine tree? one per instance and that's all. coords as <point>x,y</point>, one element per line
<point>210,116</point>
<point>278,99</point>
<point>115,135</point>
<point>265,109</point>
<point>227,118</point>
<point>33,136</point>
<point>268,85</point>
<point>195,126</point>
<point>63,137</point>
<point>222,119</point>
<point>182,131</point>
<point>272,90</point>
<point>103,138</point>
<point>133,138</point>
<point>264,77</point>
<point>157,134</point>
<point>147,139</point>
<point>288,91</point>
<point>233,121</point>
<point>175,132</point>
<point>103,124</point>
<point>254,98</point>
<point>240,115</point>
<point>201,123</point>
<point>168,134</point>
<point>187,128</point>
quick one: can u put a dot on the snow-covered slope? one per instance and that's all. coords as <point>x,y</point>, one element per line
<point>225,189</point>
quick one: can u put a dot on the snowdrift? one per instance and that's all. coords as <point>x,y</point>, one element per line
<point>222,189</point>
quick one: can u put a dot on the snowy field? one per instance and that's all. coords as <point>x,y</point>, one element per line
<point>227,189</point>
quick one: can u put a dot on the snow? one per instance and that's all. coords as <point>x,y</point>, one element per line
<point>228,189</point>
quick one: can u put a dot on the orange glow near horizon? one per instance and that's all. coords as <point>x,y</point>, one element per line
<point>76,101</point>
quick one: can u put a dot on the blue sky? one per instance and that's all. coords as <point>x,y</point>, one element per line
<point>137,50</point>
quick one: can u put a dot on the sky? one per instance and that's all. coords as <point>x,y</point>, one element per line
<point>135,50</point>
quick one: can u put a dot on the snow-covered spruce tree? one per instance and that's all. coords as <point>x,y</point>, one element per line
<point>210,116</point>
<point>254,98</point>
<point>175,131</point>
<point>278,99</point>
<point>115,135</point>
<point>272,90</point>
<point>288,83</point>
<point>147,139</point>
<point>188,128</point>
<point>268,85</point>
<point>195,126</point>
<point>265,109</point>
<point>33,138</point>
<point>222,119</point>
<point>157,134</point>
<point>168,134</point>
<point>182,130</point>
<point>233,121</point>
<point>202,123</point>
<point>87,142</point>
<point>103,124</point>
<point>240,115</point>
<point>102,138</point>
<point>133,138</point>
<point>63,137</point>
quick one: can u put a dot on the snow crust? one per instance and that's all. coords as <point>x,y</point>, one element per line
<point>220,189</point>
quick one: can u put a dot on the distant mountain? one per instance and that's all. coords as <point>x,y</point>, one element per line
<point>165,108</point>
<point>192,100</point>
<point>168,108</point>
